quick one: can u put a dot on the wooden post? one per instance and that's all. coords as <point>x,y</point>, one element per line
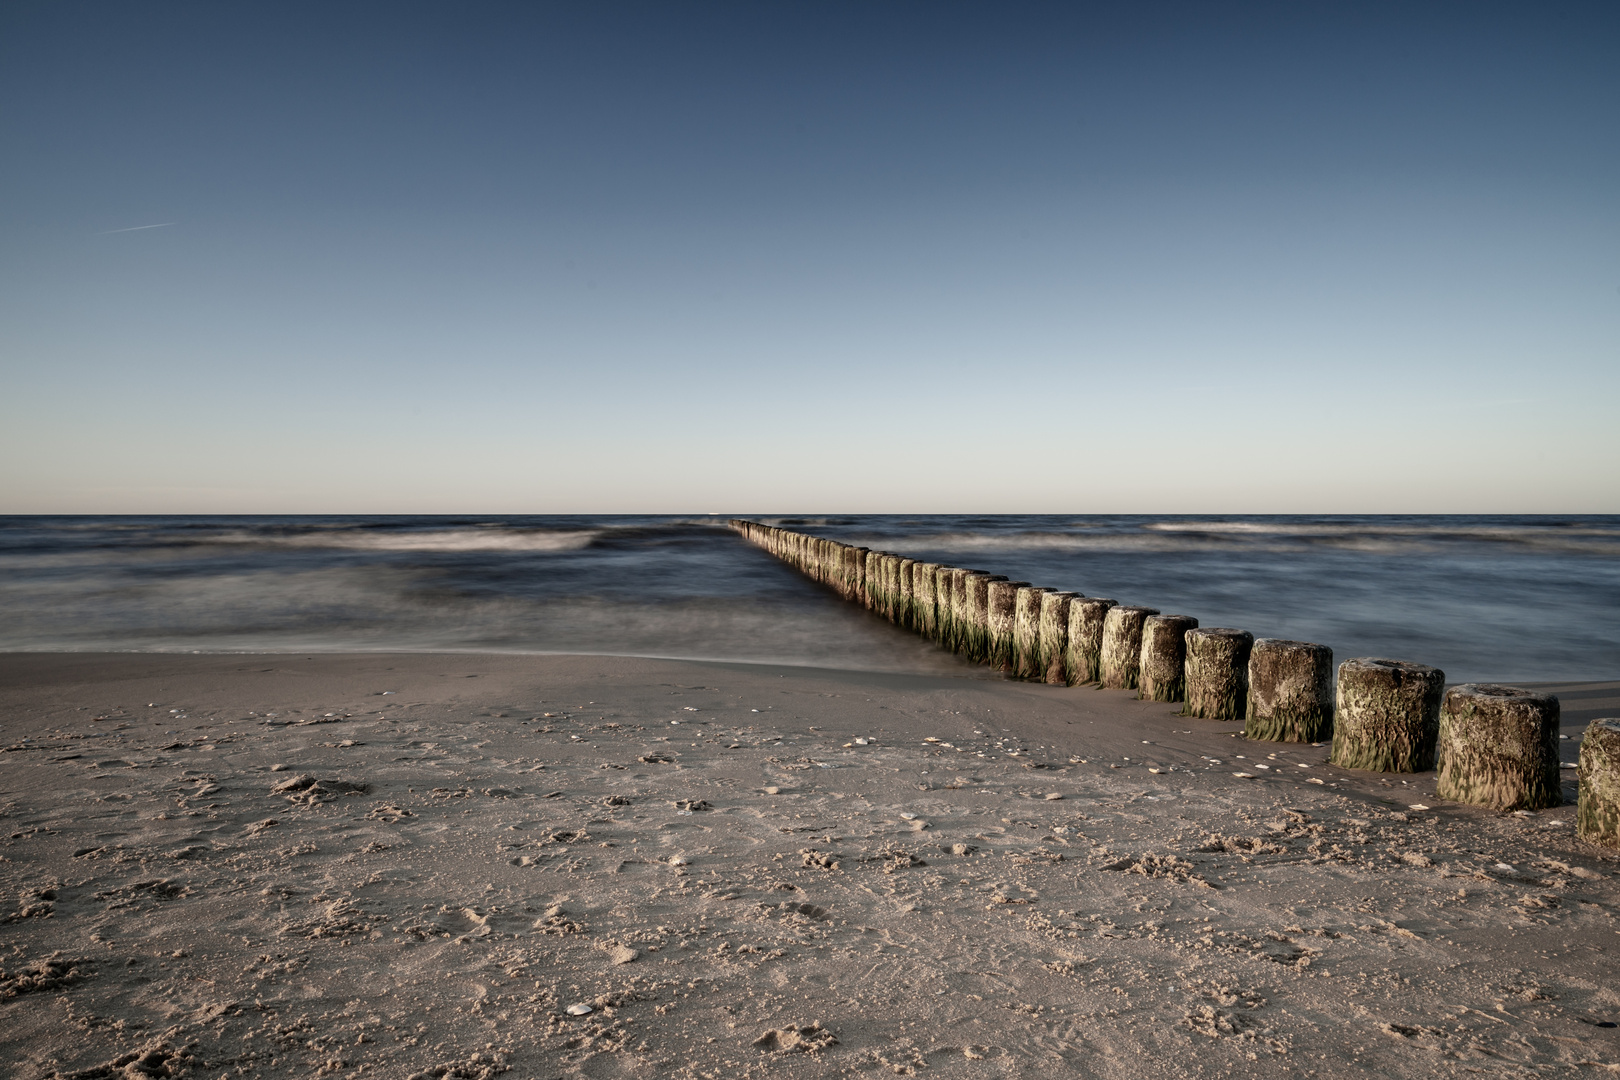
<point>925,612</point>
<point>1217,673</point>
<point>887,567</point>
<point>1162,675</point>
<point>1083,663</point>
<point>1053,640</point>
<point>1290,692</point>
<point>953,608</point>
<point>1387,715</point>
<point>1499,748</point>
<point>976,620</point>
<point>905,606</point>
<point>874,582</point>
<point>942,606</point>
<point>1026,643</point>
<point>1597,808</point>
<point>1002,608</point>
<point>1120,663</point>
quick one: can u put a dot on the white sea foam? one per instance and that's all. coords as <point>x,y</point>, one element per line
<point>474,539</point>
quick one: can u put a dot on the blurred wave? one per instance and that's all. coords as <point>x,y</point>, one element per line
<point>481,539</point>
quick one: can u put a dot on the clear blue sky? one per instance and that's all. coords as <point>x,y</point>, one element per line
<point>469,257</point>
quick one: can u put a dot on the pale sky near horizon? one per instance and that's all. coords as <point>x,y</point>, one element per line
<point>752,258</point>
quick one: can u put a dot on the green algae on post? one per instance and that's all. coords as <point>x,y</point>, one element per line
<point>1161,674</point>
<point>1387,715</point>
<point>1290,691</point>
<point>1597,808</point>
<point>1217,673</point>
<point>1498,747</point>
<point>1119,664</point>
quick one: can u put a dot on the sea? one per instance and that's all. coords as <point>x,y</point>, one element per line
<point>1489,597</point>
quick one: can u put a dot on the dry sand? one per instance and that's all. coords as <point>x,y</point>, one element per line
<point>396,866</point>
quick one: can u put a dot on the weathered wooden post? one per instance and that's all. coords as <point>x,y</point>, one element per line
<point>956,591</point>
<point>1002,606</point>
<point>886,569</point>
<point>1052,646</point>
<point>891,586</point>
<point>1290,691</point>
<point>1026,644</point>
<point>1162,675</point>
<point>1597,807</point>
<point>942,606</point>
<point>976,620</point>
<point>1083,664</point>
<point>1120,663</point>
<point>1387,715</point>
<point>874,581</point>
<point>924,613</point>
<point>1498,747</point>
<point>905,613</point>
<point>1217,673</point>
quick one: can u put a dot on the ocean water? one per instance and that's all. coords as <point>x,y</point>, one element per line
<point>1484,597</point>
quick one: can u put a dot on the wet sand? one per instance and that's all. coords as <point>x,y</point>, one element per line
<point>414,865</point>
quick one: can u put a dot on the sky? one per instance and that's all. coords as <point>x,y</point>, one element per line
<point>809,257</point>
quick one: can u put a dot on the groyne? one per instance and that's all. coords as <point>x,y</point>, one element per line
<point>1381,715</point>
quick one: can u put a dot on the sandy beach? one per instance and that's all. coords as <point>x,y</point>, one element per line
<point>462,865</point>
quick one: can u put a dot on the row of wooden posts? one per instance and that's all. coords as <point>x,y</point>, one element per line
<point>1491,745</point>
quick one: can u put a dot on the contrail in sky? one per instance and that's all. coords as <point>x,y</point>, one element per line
<point>138,228</point>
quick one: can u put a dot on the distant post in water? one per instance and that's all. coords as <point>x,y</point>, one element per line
<point>1120,663</point>
<point>1387,715</point>
<point>1053,642</point>
<point>1162,675</point>
<point>1290,691</point>
<point>1499,748</point>
<point>1597,808</point>
<point>1083,661</point>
